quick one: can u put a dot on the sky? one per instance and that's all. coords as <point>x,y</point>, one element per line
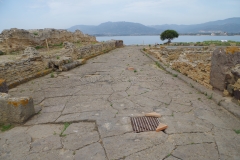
<point>63,14</point>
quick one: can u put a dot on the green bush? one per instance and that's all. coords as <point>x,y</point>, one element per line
<point>1,53</point>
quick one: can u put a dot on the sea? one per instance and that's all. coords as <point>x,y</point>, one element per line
<point>146,40</point>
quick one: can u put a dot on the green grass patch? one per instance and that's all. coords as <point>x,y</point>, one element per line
<point>237,131</point>
<point>5,127</point>
<point>60,45</point>
<point>39,47</point>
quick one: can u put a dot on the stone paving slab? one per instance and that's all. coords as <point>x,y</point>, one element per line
<point>85,114</point>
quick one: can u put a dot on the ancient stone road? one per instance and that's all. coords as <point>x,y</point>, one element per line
<point>97,100</point>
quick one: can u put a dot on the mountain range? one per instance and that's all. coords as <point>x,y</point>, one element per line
<point>230,25</point>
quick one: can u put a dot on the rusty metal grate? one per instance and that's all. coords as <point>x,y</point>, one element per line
<point>143,124</point>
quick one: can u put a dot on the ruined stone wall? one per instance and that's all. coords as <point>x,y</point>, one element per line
<point>20,71</point>
<point>225,71</point>
<point>18,39</point>
<point>200,72</point>
<point>36,65</point>
<point>89,50</point>
<point>192,62</point>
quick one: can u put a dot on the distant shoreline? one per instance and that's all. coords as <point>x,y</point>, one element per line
<point>155,39</point>
<point>159,34</point>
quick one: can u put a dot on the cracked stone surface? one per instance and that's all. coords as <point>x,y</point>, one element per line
<point>196,151</point>
<point>85,114</point>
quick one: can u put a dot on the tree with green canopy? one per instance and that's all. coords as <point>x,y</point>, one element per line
<point>169,35</point>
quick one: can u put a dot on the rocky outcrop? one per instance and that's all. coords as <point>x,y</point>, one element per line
<point>221,66</point>
<point>18,39</point>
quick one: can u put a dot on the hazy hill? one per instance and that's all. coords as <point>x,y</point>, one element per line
<point>116,28</point>
<point>230,25</point>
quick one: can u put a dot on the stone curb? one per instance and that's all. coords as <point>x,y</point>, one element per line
<point>229,106</point>
<point>98,54</point>
<point>31,77</point>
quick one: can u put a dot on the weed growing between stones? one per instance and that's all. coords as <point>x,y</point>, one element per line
<point>237,131</point>
<point>135,71</point>
<point>58,57</point>
<point>175,75</point>
<point>191,85</point>
<point>210,97</point>
<point>52,75</point>
<point>5,127</point>
<point>66,125</point>
<point>159,66</point>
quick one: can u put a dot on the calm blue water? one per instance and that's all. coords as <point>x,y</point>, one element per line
<point>133,40</point>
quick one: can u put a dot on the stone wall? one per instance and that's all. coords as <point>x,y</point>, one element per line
<point>18,39</point>
<point>36,65</point>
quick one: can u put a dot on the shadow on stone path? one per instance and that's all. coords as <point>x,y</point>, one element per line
<point>97,100</point>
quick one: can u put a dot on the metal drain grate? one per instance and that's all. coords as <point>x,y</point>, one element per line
<point>142,124</point>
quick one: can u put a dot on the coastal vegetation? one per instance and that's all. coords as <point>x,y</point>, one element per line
<point>207,43</point>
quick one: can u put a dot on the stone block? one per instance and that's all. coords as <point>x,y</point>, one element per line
<point>230,89</point>
<point>3,86</point>
<point>119,43</point>
<point>236,70</point>
<point>72,65</point>
<point>15,110</point>
<point>236,94</point>
<point>30,52</point>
